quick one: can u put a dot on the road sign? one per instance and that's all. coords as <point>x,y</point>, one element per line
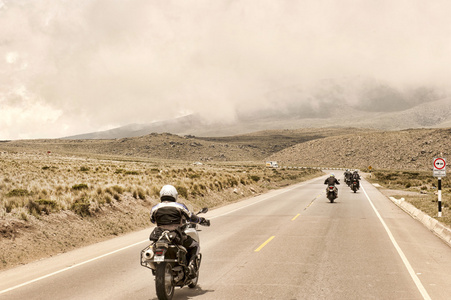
<point>439,163</point>
<point>439,167</point>
<point>370,167</point>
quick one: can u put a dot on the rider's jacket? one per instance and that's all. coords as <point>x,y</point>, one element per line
<point>355,176</point>
<point>331,181</point>
<point>171,213</point>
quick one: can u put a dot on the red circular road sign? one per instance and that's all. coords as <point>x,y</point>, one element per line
<point>439,163</point>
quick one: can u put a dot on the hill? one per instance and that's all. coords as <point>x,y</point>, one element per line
<point>249,147</point>
<point>412,149</point>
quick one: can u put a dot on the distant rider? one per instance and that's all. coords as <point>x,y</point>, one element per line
<point>356,177</point>
<point>348,176</point>
<point>170,215</point>
<point>332,181</point>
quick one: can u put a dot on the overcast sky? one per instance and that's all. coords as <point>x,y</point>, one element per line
<point>70,67</point>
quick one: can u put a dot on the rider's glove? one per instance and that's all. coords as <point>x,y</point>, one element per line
<point>204,222</point>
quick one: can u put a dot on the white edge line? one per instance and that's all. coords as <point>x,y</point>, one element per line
<point>68,268</point>
<point>406,262</point>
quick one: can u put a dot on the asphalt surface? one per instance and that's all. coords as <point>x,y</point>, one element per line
<point>287,244</point>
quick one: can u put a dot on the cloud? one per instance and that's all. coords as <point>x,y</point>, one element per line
<point>96,64</point>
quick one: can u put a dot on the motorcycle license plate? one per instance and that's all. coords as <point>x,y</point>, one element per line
<point>158,258</point>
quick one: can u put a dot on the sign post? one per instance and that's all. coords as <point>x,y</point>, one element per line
<point>439,171</point>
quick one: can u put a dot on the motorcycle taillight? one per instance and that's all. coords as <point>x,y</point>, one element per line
<point>331,187</point>
<point>159,252</point>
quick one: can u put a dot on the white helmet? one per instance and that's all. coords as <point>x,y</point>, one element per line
<point>168,193</point>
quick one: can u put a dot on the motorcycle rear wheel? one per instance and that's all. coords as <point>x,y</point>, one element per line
<point>164,284</point>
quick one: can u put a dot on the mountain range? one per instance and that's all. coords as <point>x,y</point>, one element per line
<point>431,114</point>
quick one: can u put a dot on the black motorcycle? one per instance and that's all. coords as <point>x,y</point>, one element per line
<point>166,257</point>
<point>354,186</point>
<point>331,193</point>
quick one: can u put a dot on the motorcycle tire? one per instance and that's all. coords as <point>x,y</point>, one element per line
<point>164,284</point>
<point>193,283</point>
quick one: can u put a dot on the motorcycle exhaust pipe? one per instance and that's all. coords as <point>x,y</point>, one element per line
<point>149,254</point>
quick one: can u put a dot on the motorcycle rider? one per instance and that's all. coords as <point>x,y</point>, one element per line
<point>348,176</point>
<point>170,215</point>
<point>356,177</point>
<point>331,180</point>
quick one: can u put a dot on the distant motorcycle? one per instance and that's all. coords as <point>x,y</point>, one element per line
<point>331,192</point>
<point>348,181</point>
<point>354,186</point>
<point>166,257</point>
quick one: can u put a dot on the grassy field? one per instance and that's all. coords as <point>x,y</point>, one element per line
<point>33,185</point>
<point>419,189</point>
<point>54,203</point>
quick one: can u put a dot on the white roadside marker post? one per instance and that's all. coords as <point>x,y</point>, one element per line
<point>439,197</point>
<point>439,172</point>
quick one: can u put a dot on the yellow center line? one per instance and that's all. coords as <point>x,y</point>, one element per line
<point>264,244</point>
<point>295,217</point>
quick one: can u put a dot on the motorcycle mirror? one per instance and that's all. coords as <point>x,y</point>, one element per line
<point>203,210</point>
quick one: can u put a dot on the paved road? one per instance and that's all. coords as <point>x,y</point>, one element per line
<point>287,244</point>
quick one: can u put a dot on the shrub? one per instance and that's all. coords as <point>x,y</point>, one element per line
<point>218,184</point>
<point>9,205</point>
<point>255,178</point>
<point>232,182</point>
<point>18,193</point>
<point>155,192</point>
<point>50,204</point>
<point>183,191</point>
<point>84,169</point>
<point>81,186</point>
<point>132,173</point>
<point>33,208</point>
<point>141,194</point>
<point>23,216</point>
<point>118,189</point>
<point>193,176</point>
<point>81,207</point>
<point>108,199</point>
